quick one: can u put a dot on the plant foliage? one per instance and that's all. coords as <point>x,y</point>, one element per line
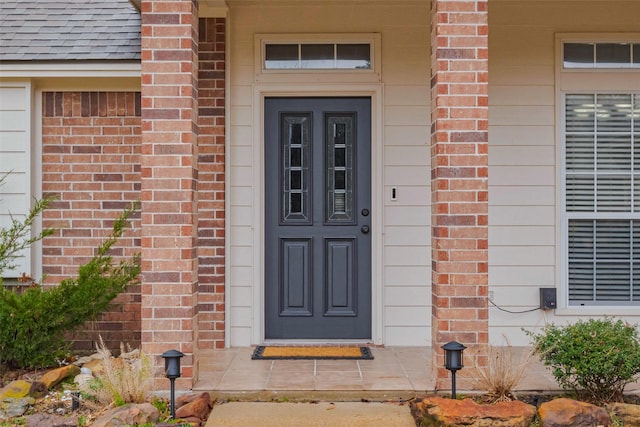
<point>33,323</point>
<point>503,372</point>
<point>126,379</point>
<point>596,358</point>
<point>17,236</point>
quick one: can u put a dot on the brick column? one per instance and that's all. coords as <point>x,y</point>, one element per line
<point>459,188</point>
<point>169,181</point>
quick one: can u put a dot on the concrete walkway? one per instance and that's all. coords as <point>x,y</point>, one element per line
<point>322,414</point>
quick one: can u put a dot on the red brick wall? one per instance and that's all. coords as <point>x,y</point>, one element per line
<point>211,181</point>
<point>459,172</point>
<point>91,163</point>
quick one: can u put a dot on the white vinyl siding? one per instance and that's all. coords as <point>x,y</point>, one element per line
<point>15,160</point>
<point>602,198</point>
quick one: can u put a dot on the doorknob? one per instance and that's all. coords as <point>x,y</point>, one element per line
<point>365,229</point>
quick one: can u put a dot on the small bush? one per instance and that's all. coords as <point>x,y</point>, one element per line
<point>33,323</point>
<point>503,373</point>
<point>595,358</point>
<point>126,379</point>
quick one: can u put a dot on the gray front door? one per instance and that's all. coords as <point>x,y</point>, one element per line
<point>318,218</point>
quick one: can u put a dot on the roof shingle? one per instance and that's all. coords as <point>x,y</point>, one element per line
<point>54,30</point>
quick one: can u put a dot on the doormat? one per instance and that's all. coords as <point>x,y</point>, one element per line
<point>283,353</point>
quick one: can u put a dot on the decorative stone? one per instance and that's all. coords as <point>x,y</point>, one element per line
<point>565,412</point>
<point>627,413</point>
<point>38,390</point>
<point>198,408</point>
<point>83,380</point>
<point>86,371</point>
<point>10,407</point>
<point>96,366</point>
<point>55,376</point>
<point>47,420</point>
<point>189,397</point>
<point>443,412</point>
<point>127,415</point>
<point>88,359</point>
<point>15,389</point>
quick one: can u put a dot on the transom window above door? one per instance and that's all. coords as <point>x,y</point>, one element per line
<point>314,57</point>
<point>345,56</point>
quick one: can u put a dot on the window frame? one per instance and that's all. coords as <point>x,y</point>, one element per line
<point>585,81</point>
<point>271,75</point>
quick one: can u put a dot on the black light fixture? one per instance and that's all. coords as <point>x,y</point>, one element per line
<point>172,371</point>
<point>453,361</point>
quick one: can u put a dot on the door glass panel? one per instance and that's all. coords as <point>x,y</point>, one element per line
<point>340,145</point>
<point>296,142</point>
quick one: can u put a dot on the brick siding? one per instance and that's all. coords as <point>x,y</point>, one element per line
<point>91,164</point>
<point>459,172</point>
<point>210,308</point>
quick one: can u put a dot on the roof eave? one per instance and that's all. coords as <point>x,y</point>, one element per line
<point>27,69</point>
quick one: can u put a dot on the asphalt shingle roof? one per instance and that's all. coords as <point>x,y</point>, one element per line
<point>68,30</point>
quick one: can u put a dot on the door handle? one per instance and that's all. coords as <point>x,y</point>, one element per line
<point>365,229</point>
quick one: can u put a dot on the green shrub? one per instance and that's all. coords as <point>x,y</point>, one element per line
<point>17,236</point>
<point>33,323</point>
<point>596,358</point>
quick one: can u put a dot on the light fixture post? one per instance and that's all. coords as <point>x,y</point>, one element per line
<point>172,371</point>
<point>453,361</point>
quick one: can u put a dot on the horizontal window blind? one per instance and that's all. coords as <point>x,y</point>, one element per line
<point>602,189</point>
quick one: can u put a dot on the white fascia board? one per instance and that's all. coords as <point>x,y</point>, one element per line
<point>30,69</point>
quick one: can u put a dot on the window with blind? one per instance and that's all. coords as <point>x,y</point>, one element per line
<point>602,198</point>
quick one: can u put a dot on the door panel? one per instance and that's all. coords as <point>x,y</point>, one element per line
<point>317,204</point>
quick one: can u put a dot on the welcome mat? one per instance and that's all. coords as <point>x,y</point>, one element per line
<point>293,352</point>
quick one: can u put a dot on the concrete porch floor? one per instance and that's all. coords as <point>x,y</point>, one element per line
<point>394,373</point>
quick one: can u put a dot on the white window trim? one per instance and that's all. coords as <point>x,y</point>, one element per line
<point>588,81</point>
<point>262,75</point>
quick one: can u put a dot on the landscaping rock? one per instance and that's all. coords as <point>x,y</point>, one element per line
<point>55,376</point>
<point>187,398</point>
<point>15,390</point>
<point>11,407</point>
<point>625,412</point>
<point>83,380</point>
<point>96,365</point>
<point>565,412</point>
<point>198,408</point>
<point>42,420</point>
<point>441,412</point>
<point>128,415</point>
<point>38,390</point>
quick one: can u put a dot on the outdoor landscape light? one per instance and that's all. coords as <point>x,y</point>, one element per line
<point>172,371</point>
<point>453,361</point>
